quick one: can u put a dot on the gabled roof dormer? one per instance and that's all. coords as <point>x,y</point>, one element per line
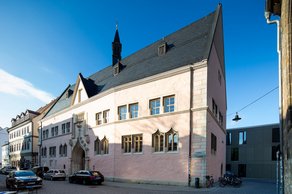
<point>84,89</point>
<point>79,93</point>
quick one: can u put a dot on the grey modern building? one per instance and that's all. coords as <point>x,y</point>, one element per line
<point>251,151</point>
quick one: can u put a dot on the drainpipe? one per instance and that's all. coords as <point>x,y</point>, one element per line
<point>32,130</point>
<point>40,143</point>
<point>191,127</point>
<point>277,22</point>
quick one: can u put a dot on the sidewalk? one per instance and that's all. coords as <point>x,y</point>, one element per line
<point>150,186</point>
<point>249,186</point>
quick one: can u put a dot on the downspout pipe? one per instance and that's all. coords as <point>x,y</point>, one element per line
<point>277,22</point>
<point>191,127</point>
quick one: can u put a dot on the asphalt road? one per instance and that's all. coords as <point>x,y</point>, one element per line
<point>64,187</point>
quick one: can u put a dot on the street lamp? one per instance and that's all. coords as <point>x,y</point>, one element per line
<point>236,118</point>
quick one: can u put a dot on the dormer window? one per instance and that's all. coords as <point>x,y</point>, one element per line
<point>69,93</point>
<point>79,95</point>
<point>162,49</point>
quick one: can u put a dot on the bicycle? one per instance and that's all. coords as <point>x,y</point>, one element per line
<point>209,181</point>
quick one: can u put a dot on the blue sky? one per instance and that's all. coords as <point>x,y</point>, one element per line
<point>45,44</point>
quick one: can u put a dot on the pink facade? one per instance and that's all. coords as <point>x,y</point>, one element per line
<point>118,132</point>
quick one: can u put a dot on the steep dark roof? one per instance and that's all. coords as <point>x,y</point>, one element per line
<point>186,46</point>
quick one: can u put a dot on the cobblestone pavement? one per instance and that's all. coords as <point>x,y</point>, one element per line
<point>64,187</point>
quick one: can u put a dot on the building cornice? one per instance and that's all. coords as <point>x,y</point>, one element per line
<point>146,80</point>
<point>19,125</point>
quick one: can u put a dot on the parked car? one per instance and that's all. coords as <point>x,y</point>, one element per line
<point>86,177</point>
<point>54,174</point>
<point>23,179</point>
<point>40,170</point>
<point>7,169</point>
<point>2,170</point>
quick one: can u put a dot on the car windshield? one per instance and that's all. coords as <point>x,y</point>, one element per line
<point>24,173</point>
<point>94,173</point>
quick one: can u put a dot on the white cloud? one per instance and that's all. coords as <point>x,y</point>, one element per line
<point>11,84</point>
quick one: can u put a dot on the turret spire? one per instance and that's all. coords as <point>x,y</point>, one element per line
<point>116,47</point>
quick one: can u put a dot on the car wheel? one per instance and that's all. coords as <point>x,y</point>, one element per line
<point>7,185</point>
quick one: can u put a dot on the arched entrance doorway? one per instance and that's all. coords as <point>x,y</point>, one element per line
<point>78,158</point>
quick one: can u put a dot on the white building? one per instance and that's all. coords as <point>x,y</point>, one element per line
<point>5,154</point>
<point>3,141</point>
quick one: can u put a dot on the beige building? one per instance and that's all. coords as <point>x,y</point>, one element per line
<point>23,138</point>
<point>156,116</point>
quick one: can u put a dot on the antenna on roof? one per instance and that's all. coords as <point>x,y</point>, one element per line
<point>116,25</point>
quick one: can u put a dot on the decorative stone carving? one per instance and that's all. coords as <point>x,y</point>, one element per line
<point>87,139</point>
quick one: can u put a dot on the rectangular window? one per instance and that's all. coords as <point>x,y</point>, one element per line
<point>168,103</point>
<point>228,138</point>
<point>138,143</point>
<point>219,77</point>
<point>98,118</point>
<point>122,110</point>
<point>154,106</point>
<point>133,108</point>
<point>234,154</point>
<point>242,137</point>
<point>56,130</point>
<point>106,116</point>
<point>276,135</point>
<point>127,143</point>
<point>220,118</point>
<point>63,128</point>
<point>44,134</point>
<point>52,131</point>
<point>68,127</point>
<point>214,108</point>
<point>213,143</point>
<point>47,133</point>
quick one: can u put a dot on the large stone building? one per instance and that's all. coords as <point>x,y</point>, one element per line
<point>156,116</point>
<point>251,151</point>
